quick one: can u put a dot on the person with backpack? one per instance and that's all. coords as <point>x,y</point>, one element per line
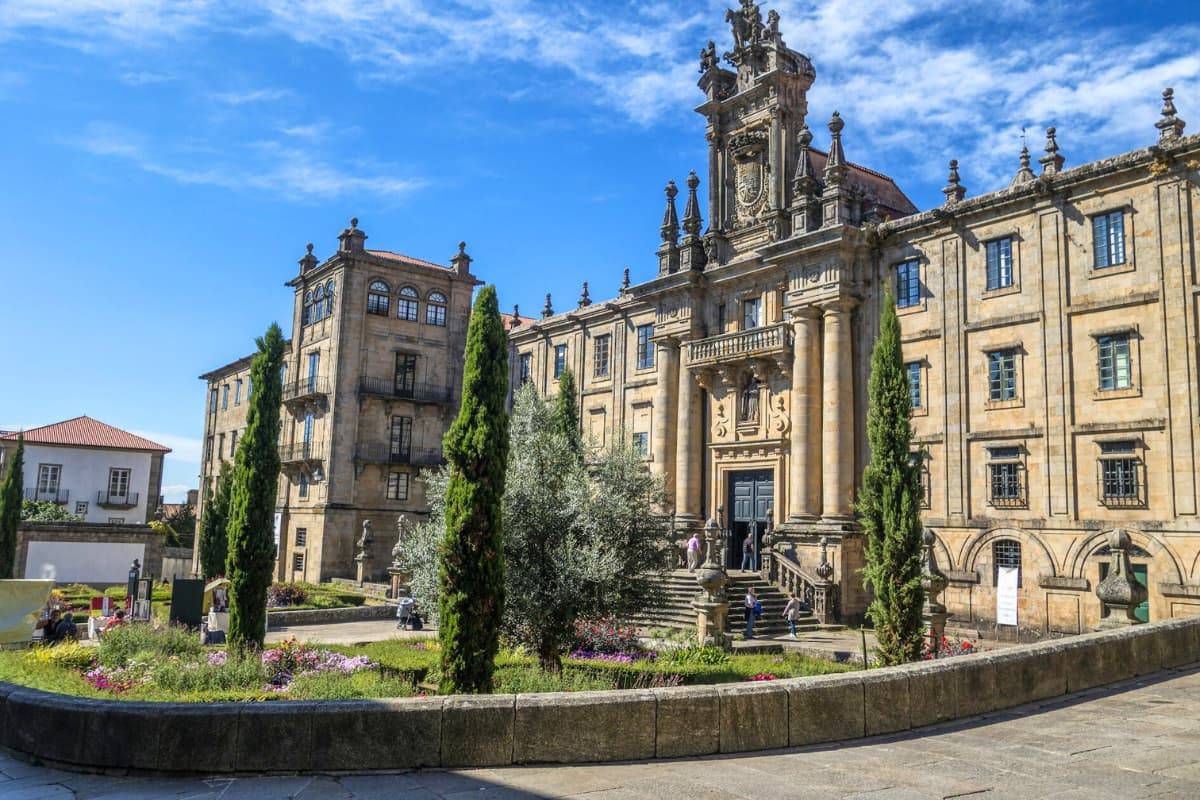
<point>753,609</point>
<point>747,553</point>
<point>791,612</point>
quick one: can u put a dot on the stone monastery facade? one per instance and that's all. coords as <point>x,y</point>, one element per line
<point>1049,332</point>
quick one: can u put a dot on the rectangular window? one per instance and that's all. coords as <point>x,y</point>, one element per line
<point>81,509</point>
<point>301,537</point>
<point>1120,469</point>
<point>408,305</point>
<point>1108,239</point>
<point>999,263</point>
<point>302,486</point>
<point>400,437</point>
<point>397,487</point>
<point>314,367</point>
<point>600,356</point>
<point>232,444</point>
<point>208,449</point>
<point>118,483</point>
<point>1115,372</point>
<point>309,420</point>
<point>1002,375</point>
<point>526,368</point>
<point>1005,472</point>
<point>297,562</point>
<point>220,445</point>
<point>645,347</point>
<point>914,382</point>
<point>225,397</point>
<point>212,400</point>
<point>750,314</point>
<point>721,318</point>
<point>560,360</point>
<point>641,444</point>
<point>237,392</point>
<point>406,374</point>
<point>908,283</point>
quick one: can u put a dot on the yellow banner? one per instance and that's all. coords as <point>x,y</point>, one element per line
<point>21,604</point>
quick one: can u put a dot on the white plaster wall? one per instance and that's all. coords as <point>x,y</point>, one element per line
<point>85,473</point>
<point>82,562</point>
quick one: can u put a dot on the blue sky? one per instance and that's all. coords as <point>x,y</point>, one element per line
<point>165,162</point>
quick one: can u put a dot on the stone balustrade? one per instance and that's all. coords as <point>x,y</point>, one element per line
<point>767,342</point>
<point>94,735</point>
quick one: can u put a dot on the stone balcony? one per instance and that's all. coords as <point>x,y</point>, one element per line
<point>772,342</point>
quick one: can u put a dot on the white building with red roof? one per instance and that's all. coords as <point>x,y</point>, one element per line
<point>94,470</point>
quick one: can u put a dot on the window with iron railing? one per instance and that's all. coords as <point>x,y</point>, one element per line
<point>1120,474</point>
<point>1006,472</point>
<point>1006,553</point>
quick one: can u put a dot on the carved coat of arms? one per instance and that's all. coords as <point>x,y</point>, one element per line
<point>748,150</point>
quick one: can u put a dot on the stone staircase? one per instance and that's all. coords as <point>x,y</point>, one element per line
<point>681,589</point>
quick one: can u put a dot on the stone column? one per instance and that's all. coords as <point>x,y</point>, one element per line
<point>688,450</point>
<point>662,445</point>
<point>802,458</point>
<point>838,416</point>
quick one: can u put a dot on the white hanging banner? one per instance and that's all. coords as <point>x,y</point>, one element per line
<point>1006,595</point>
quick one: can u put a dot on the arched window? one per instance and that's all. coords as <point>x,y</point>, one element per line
<point>318,312</point>
<point>329,299</point>
<point>378,298</point>
<point>435,309</point>
<point>1006,553</point>
<point>407,306</point>
<point>306,312</point>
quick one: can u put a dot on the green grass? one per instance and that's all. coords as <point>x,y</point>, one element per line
<point>325,595</point>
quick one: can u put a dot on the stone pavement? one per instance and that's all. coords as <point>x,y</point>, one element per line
<point>1135,740</point>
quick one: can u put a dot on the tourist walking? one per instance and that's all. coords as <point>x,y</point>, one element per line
<point>748,553</point>
<point>693,552</point>
<point>752,610</point>
<point>791,612</point>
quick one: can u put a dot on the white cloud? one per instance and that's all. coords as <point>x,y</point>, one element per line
<point>183,448</point>
<point>247,96</point>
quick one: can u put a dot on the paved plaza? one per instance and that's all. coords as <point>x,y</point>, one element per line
<point>1138,739</point>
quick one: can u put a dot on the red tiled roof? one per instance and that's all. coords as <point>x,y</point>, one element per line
<point>511,323</point>
<point>87,432</point>
<point>403,259</point>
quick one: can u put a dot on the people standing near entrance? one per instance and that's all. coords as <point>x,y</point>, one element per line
<point>752,609</point>
<point>791,612</point>
<point>747,553</point>
<point>693,552</point>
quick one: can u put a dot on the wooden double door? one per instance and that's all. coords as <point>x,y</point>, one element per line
<point>751,502</point>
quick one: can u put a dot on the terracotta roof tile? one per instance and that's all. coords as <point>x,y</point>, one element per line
<point>87,432</point>
<point>403,259</point>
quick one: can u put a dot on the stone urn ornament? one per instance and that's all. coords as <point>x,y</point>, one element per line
<point>711,607</point>
<point>1120,594</point>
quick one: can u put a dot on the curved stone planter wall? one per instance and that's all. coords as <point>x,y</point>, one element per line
<point>283,618</point>
<point>572,727</point>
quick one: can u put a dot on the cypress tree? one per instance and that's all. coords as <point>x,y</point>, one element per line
<point>566,411</point>
<point>471,569</point>
<point>214,534</point>
<point>251,557</point>
<point>889,500</point>
<point>10,509</point>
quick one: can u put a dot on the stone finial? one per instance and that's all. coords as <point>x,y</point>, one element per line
<point>625,281</point>
<point>401,533</point>
<point>691,212</point>
<point>460,260</point>
<point>670,223</point>
<point>932,579</point>
<point>351,240</point>
<point>515,322</point>
<point>548,309</point>
<point>1170,126</point>
<point>1120,594</point>
<point>308,260</point>
<point>804,181</point>
<point>954,189</point>
<point>1052,162</point>
<point>824,569</point>
<point>1024,174</point>
<point>584,299</point>
<point>835,166</point>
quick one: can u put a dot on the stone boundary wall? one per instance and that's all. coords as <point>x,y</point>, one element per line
<point>474,731</point>
<point>93,533</point>
<point>327,616</point>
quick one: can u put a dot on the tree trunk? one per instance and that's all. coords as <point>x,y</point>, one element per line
<point>549,658</point>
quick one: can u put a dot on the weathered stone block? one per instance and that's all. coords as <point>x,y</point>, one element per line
<point>585,726</point>
<point>1083,661</point>
<point>688,721</point>
<point>932,693</point>
<point>1143,644</point>
<point>199,738</point>
<point>827,708</point>
<point>1179,643</point>
<point>275,737</point>
<point>123,735</point>
<point>46,725</point>
<point>375,734</point>
<point>754,716</point>
<point>886,699</point>
<point>975,684</point>
<point>1028,674</point>
<point>478,731</point>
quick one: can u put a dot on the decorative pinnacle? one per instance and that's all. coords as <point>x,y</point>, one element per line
<point>835,165</point>
<point>1024,174</point>
<point>625,281</point>
<point>353,223</point>
<point>1170,126</point>
<point>584,299</point>
<point>308,260</point>
<point>670,223</point>
<point>516,316</point>
<point>1052,162</point>
<point>547,310</point>
<point>691,213</point>
<point>954,190</point>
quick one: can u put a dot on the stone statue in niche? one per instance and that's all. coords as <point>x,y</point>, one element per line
<point>748,405</point>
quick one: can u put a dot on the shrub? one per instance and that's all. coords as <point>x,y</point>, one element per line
<point>695,654</point>
<point>122,644</point>
<point>529,678</point>
<point>212,674</point>
<point>68,655</point>
<point>281,595</point>
<point>604,636</point>
<point>364,684</point>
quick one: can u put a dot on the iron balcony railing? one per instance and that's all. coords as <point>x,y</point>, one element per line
<point>766,341</point>
<point>300,451</point>
<point>420,392</point>
<point>60,496</point>
<point>114,500</point>
<point>383,453</point>
<point>310,386</point>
